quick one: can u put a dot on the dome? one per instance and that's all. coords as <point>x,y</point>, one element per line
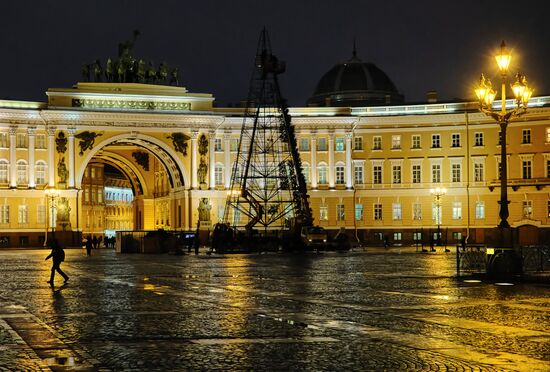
<point>355,83</point>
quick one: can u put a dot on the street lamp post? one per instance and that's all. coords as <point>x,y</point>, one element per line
<point>438,193</point>
<point>486,96</point>
<point>51,195</point>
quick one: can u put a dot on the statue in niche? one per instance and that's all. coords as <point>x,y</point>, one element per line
<point>63,213</point>
<point>203,145</point>
<point>201,172</point>
<point>204,209</point>
<point>179,141</point>
<point>61,143</point>
<point>62,171</point>
<point>87,140</point>
<point>142,158</point>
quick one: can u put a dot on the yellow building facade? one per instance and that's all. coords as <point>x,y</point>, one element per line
<point>369,169</point>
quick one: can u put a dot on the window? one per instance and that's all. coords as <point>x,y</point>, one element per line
<point>323,212</point>
<point>396,141</point>
<point>478,172</point>
<point>23,215</point>
<point>358,143</point>
<point>87,195</point>
<point>218,175</point>
<point>377,143</point>
<point>417,236</point>
<point>234,145</point>
<point>436,173</point>
<point>41,214</point>
<point>340,212</point>
<point>40,173</point>
<point>4,213</point>
<point>478,139</point>
<point>358,174</point>
<point>218,145</point>
<point>339,144</point>
<point>322,144</point>
<point>415,141</point>
<point>526,136</point>
<point>480,210</point>
<point>457,235</point>
<point>359,211</point>
<point>416,173</point>
<point>455,140</point>
<point>417,211</point>
<point>340,175</point>
<point>396,211</point>
<point>21,171</point>
<point>397,236</point>
<point>4,140</point>
<point>378,212</point>
<point>396,174</point>
<point>322,174</point>
<point>40,141</point>
<point>377,174</point>
<point>548,168</point>
<point>100,195</point>
<point>527,209</point>
<point>21,141</point>
<point>457,210</point>
<point>93,172</point>
<point>547,135</point>
<point>455,172</point>
<point>526,166</point>
<point>3,171</point>
<point>436,141</point>
<point>436,213</point>
<point>304,144</point>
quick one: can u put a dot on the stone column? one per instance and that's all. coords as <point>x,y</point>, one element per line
<point>212,154</point>
<point>313,160</point>
<point>194,159</point>
<point>13,157</point>
<point>51,156</point>
<point>31,131</point>
<point>349,179</point>
<point>227,159</point>
<point>331,160</point>
<point>71,182</point>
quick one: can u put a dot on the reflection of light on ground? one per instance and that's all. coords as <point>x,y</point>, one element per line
<point>472,281</point>
<point>504,283</point>
<point>156,289</point>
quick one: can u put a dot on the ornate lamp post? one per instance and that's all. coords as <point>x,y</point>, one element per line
<point>51,196</point>
<point>486,96</point>
<point>438,193</point>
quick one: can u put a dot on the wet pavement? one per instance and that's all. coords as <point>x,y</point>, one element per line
<point>395,311</point>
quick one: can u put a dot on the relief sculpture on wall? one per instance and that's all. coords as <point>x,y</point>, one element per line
<point>87,140</point>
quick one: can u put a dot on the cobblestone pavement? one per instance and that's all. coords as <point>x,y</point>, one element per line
<point>397,311</point>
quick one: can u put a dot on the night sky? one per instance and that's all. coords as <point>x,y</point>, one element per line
<point>421,45</point>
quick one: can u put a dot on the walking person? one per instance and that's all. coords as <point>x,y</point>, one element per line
<point>95,242</point>
<point>89,244</point>
<point>57,255</point>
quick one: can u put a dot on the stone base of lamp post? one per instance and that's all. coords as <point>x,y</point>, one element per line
<point>502,259</point>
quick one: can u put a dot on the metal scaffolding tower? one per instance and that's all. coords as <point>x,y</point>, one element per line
<point>268,190</point>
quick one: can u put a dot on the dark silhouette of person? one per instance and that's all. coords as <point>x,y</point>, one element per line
<point>95,242</point>
<point>99,241</point>
<point>89,246</point>
<point>57,255</point>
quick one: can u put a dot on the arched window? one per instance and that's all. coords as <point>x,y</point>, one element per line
<point>4,171</point>
<point>40,172</point>
<point>322,170</point>
<point>21,171</point>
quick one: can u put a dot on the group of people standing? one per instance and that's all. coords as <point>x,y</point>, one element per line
<point>92,243</point>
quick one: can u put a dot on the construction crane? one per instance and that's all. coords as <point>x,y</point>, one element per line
<point>268,198</point>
